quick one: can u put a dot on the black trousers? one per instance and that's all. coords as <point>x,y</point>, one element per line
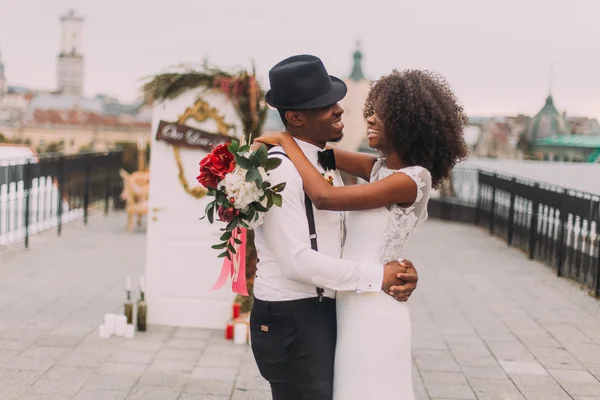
<point>294,346</point>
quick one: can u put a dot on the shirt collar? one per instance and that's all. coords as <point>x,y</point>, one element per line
<point>308,148</point>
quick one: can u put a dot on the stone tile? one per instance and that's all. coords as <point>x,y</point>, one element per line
<point>192,396</point>
<point>111,382</point>
<point>18,378</point>
<point>153,393</point>
<point>444,378</point>
<point>161,378</point>
<point>51,353</point>
<point>179,354</point>
<point>132,357</point>
<point>69,374</point>
<point>29,364</point>
<point>53,386</point>
<point>98,394</point>
<point>217,374</point>
<point>493,386</point>
<point>252,382</point>
<point>82,360</point>
<point>220,361</point>
<point>122,369</point>
<point>500,396</point>
<point>523,368</point>
<point>7,355</point>
<point>14,344</point>
<point>172,366</point>
<point>573,376</point>
<point>191,333</point>
<point>209,386</point>
<point>11,392</point>
<point>251,395</point>
<point>186,343</point>
<point>462,392</point>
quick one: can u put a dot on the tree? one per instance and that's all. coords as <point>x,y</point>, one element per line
<point>4,139</point>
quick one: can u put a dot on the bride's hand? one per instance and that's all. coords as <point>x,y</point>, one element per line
<point>272,138</point>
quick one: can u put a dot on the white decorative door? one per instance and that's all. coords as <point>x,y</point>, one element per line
<point>180,265</point>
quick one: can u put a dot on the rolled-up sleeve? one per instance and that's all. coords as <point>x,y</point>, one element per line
<point>286,231</point>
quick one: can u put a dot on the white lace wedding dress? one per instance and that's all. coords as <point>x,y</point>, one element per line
<point>373,353</point>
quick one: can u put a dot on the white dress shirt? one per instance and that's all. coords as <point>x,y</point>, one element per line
<point>288,268</point>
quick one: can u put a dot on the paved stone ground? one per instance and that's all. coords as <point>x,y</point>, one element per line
<point>487,324</point>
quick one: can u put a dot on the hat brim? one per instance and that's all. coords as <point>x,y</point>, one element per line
<point>338,92</point>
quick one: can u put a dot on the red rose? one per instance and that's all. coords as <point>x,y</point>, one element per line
<point>227,214</point>
<point>215,166</point>
<point>207,178</point>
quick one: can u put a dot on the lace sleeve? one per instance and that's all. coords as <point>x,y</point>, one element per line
<point>422,179</point>
<point>404,220</point>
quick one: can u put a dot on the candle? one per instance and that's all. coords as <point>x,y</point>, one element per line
<point>129,331</point>
<point>120,324</point>
<point>240,333</point>
<point>142,284</point>
<point>110,322</point>
<point>128,284</point>
<point>103,332</point>
<point>229,331</point>
<point>236,310</point>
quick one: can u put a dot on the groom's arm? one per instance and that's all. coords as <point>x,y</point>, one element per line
<point>285,229</point>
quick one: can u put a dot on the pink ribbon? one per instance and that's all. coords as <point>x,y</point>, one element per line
<point>236,267</point>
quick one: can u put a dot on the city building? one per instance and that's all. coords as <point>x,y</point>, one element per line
<point>70,62</point>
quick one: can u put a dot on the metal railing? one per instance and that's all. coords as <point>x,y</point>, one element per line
<point>555,225</point>
<point>45,192</point>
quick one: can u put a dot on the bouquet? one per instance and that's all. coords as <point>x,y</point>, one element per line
<point>238,179</point>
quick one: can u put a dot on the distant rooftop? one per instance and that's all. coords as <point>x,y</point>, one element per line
<point>585,141</point>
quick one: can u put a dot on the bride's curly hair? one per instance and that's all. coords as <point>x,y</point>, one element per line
<point>422,120</point>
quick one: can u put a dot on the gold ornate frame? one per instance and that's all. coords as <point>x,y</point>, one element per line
<point>200,111</point>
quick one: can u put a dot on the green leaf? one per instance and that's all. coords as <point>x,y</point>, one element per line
<point>244,224</point>
<point>243,162</point>
<point>233,147</point>
<point>245,148</point>
<point>211,215</point>
<point>278,188</point>
<point>270,199</point>
<point>237,241</point>
<point>277,199</point>
<point>224,254</point>
<point>225,236</point>
<point>219,246</point>
<point>272,163</point>
<point>254,176</point>
<point>263,154</point>
<point>231,225</point>
<point>265,185</point>
<point>231,248</point>
<point>259,207</point>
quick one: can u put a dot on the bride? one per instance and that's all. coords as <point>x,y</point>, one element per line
<point>415,123</point>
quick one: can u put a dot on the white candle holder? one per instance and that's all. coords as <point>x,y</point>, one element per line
<point>240,333</point>
<point>129,331</point>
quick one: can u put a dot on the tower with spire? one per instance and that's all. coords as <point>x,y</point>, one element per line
<point>2,78</point>
<point>357,73</point>
<point>70,59</point>
<point>355,130</point>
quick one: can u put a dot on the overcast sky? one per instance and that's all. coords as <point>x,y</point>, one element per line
<point>496,54</point>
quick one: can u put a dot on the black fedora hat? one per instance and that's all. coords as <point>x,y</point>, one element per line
<point>301,82</point>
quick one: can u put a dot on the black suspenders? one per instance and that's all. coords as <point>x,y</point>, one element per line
<point>312,230</point>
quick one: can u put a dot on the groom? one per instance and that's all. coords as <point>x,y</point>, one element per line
<point>293,319</point>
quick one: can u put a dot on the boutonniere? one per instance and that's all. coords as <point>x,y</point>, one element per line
<point>329,176</point>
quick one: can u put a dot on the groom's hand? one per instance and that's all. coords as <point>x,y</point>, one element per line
<point>409,279</point>
<point>390,272</point>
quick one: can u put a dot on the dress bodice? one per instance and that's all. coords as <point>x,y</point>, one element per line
<point>380,235</point>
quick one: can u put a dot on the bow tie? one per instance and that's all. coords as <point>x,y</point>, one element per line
<point>327,159</point>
